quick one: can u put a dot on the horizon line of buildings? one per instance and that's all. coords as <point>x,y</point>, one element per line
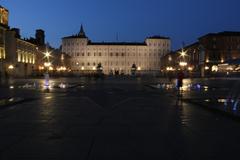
<point>211,54</point>
<point>115,57</point>
<point>21,57</point>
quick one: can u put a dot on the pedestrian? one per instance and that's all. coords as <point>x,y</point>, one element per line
<point>180,77</point>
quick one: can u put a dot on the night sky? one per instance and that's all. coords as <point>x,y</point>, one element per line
<point>133,20</point>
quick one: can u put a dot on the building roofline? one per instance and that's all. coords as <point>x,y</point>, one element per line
<point>4,8</point>
<point>26,41</point>
<point>158,37</point>
<point>118,43</point>
<point>74,37</point>
<point>219,34</point>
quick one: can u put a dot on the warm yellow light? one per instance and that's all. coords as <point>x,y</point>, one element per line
<point>183,64</point>
<point>183,53</point>
<point>47,54</point>
<point>139,68</point>
<point>206,68</point>
<point>51,68</point>
<point>62,57</point>
<point>169,69</point>
<point>94,68</point>
<point>10,67</point>
<point>230,68</point>
<point>214,68</point>
<point>82,68</point>
<point>207,61</point>
<point>190,68</point>
<point>169,58</point>
<point>41,68</point>
<point>222,60</point>
<point>47,64</point>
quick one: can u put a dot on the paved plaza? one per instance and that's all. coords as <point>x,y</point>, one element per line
<point>111,119</point>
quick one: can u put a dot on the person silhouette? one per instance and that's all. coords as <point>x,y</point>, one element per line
<point>179,85</point>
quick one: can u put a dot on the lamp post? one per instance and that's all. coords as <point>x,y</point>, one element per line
<point>47,64</point>
<point>183,62</point>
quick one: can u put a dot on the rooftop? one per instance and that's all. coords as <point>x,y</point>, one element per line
<point>118,43</point>
<point>158,37</point>
<point>3,8</point>
<point>225,33</point>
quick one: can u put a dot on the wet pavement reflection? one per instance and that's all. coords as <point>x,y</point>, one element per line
<point>118,119</point>
<point>220,94</point>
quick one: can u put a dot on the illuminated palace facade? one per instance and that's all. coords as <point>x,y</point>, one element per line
<point>3,29</point>
<point>115,56</point>
<point>17,55</point>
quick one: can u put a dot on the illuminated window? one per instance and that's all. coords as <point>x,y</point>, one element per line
<point>33,59</point>
<point>26,58</point>
<point>1,53</point>
<point>19,57</point>
<point>23,58</point>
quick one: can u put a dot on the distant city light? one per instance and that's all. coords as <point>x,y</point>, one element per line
<point>10,67</point>
<point>169,58</point>
<point>169,69</point>
<point>183,64</point>
<point>214,68</point>
<point>47,54</point>
<point>62,57</point>
<point>51,68</point>
<point>47,64</point>
<point>41,68</point>
<point>190,68</point>
<point>183,53</point>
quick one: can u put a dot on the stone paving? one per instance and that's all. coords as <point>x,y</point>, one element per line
<point>113,119</point>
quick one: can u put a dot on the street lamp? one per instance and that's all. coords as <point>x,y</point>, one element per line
<point>183,54</point>
<point>11,67</point>
<point>47,64</point>
<point>183,64</point>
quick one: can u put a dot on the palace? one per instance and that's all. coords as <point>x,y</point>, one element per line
<point>115,56</point>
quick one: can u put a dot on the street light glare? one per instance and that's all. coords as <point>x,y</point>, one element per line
<point>183,53</point>
<point>10,67</point>
<point>47,54</point>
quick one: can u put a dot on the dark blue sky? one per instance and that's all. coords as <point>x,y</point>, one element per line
<point>133,20</point>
